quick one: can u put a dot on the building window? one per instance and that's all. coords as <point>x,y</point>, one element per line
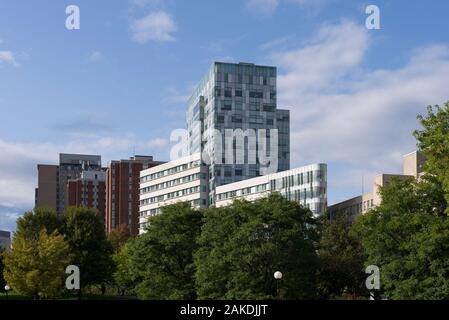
<point>227,106</point>
<point>268,108</point>
<point>237,119</point>
<point>256,94</point>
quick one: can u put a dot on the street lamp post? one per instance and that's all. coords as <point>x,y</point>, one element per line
<point>278,278</point>
<point>7,288</point>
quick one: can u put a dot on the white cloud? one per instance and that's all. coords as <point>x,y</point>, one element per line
<point>156,26</point>
<point>9,58</point>
<point>18,163</point>
<point>341,113</point>
<point>263,6</point>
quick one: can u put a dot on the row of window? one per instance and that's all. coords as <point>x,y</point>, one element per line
<point>247,78</point>
<point>297,180</point>
<point>172,183</point>
<point>170,171</point>
<point>150,213</point>
<point>295,195</point>
<point>173,195</point>
<point>242,192</point>
<point>304,194</point>
<point>255,94</point>
<point>252,106</point>
<point>359,207</point>
<point>156,211</point>
<point>237,172</point>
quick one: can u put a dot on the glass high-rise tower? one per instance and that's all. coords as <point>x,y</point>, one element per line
<point>233,119</point>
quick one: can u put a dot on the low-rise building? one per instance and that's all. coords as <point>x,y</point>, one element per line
<point>412,167</point>
<point>306,185</point>
<point>181,180</point>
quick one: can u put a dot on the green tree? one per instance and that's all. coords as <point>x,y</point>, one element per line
<point>161,260</point>
<point>433,142</point>
<point>31,223</point>
<point>124,275</point>
<point>118,237</point>
<point>341,259</point>
<point>36,268</point>
<point>407,237</point>
<point>241,247</point>
<point>89,245</point>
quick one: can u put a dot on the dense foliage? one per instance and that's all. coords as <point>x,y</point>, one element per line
<point>241,247</point>
<point>342,259</point>
<point>46,243</point>
<point>36,268</point>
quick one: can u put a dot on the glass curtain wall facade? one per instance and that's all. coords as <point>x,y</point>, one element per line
<point>306,185</point>
<point>238,97</point>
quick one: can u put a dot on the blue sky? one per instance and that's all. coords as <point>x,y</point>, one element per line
<point>120,83</point>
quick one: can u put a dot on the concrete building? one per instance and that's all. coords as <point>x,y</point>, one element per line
<point>122,192</point>
<point>181,180</point>
<point>5,239</point>
<point>53,179</point>
<point>412,167</point>
<point>241,99</point>
<point>413,164</point>
<point>306,185</point>
<point>88,191</point>
<point>46,193</point>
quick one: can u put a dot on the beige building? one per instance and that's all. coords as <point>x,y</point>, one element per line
<point>412,167</point>
<point>47,190</point>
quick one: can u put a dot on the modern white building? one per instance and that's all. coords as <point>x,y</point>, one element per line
<point>181,180</point>
<point>306,185</point>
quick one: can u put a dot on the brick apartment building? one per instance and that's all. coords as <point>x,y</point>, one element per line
<point>89,191</point>
<point>122,192</point>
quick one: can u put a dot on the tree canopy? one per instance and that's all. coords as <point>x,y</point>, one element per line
<point>342,259</point>
<point>37,268</point>
<point>243,245</point>
<point>161,260</point>
<point>92,252</point>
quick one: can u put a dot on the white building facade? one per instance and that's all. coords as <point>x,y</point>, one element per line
<point>306,185</point>
<point>181,180</point>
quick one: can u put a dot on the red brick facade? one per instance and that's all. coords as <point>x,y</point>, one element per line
<point>88,193</point>
<point>122,193</point>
